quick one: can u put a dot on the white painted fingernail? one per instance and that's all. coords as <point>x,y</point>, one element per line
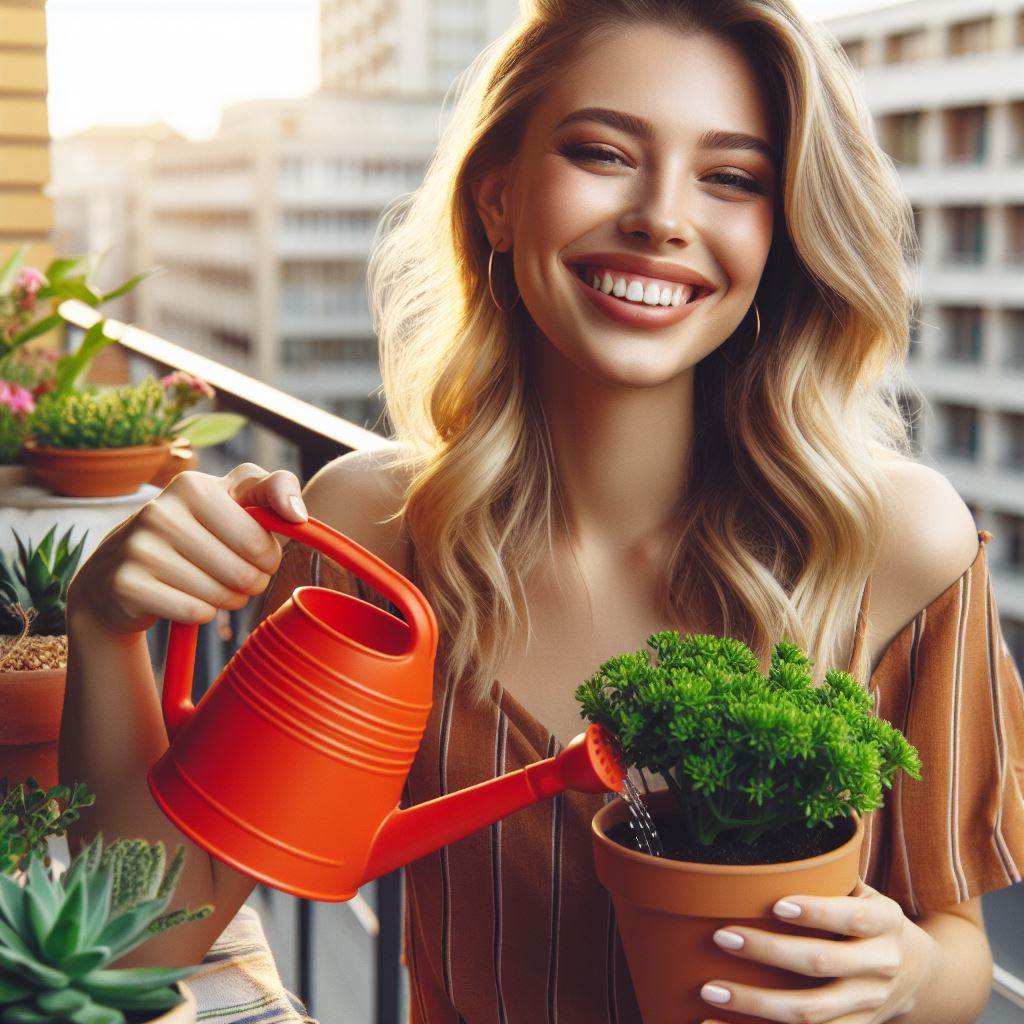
<point>298,507</point>
<point>728,940</point>
<point>786,909</point>
<point>715,994</point>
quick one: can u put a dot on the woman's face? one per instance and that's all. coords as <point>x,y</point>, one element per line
<point>591,188</point>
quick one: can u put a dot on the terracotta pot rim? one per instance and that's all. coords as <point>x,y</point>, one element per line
<point>614,813</point>
<point>30,444</point>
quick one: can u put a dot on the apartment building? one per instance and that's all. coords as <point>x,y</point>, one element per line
<point>381,46</point>
<point>263,234</point>
<point>945,85</point>
<point>26,211</point>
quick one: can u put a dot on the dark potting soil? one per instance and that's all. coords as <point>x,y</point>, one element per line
<point>794,842</point>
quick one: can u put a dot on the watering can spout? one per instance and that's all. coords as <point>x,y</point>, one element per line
<point>590,763</point>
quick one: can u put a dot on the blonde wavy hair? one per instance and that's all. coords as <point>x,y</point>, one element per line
<point>779,522</point>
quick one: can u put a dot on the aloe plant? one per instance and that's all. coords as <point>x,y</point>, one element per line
<point>58,934</point>
<point>39,579</point>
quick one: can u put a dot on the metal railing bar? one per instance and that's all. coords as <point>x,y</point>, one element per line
<point>286,415</point>
<point>1008,985</point>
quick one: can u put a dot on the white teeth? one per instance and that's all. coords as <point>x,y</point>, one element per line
<point>634,291</point>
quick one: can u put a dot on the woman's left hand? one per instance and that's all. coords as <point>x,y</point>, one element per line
<point>879,970</point>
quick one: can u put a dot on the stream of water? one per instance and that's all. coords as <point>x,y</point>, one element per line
<point>641,824</point>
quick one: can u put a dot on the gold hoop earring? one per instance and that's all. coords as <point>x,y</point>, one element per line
<point>490,285</point>
<point>757,332</point>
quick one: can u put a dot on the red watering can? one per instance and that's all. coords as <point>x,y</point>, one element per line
<point>291,766</point>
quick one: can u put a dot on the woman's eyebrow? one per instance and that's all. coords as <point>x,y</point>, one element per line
<point>713,138</point>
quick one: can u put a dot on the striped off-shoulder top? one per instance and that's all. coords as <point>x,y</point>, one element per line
<point>511,924</point>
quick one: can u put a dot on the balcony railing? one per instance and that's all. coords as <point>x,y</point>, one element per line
<point>319,437</point>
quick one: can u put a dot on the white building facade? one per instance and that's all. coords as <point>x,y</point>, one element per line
<point>945,84</point>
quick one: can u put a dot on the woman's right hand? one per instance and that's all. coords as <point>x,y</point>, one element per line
<point>187,552</point>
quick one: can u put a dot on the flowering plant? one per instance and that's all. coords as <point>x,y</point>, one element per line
<point>23,288</point>
<point>132,414</point>
<point>16,403</point>
<point>743,753</point>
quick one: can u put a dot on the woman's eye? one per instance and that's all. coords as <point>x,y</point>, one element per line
<point>739,181</point>
<point>595,153</point>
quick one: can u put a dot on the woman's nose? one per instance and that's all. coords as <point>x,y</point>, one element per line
<point>661,212</point>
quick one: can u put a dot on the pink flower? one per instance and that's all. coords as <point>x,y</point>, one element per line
<point>15,397</point>
<point>30,279</point>
<point>179,378</point>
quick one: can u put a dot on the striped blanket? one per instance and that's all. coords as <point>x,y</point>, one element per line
<point>238,983</point>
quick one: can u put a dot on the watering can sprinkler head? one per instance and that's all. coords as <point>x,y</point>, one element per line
<point>291,767</point>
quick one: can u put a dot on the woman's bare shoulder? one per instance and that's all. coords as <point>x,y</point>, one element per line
<point>930,540</point>
<point>358,494</point>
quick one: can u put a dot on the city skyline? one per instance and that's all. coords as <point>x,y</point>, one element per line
<point>151,39</point>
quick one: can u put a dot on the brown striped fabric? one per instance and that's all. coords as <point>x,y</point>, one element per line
<point>511,924</point>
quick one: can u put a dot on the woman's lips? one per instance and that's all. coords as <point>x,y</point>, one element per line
<point>636,314</point>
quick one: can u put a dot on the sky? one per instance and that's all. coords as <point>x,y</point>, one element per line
<point>129,62</point>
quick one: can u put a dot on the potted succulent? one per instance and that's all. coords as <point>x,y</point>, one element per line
<point>59,936</point>
<point>766,778</point>
<point>29,815</point>
<point>33,653</point>
<point>98,443</point>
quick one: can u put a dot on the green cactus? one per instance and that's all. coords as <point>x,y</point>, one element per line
<point>39,579</point>
<point>56,936</point>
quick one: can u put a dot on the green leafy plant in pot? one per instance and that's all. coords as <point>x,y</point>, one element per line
<point>97,443</point>
<point>765,780</point>
<point>30,815</point>
<point>59,934</point>
<point>34,652</point>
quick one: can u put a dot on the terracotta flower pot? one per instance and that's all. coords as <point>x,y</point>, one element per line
<point>31,702</point>
<point>95,472</point>
<point>179,458</point>
<point>667,911</point>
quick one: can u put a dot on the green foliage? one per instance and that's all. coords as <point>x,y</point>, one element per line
<point>39,579</point>
<point>114,418</point>
<point>742,753</point>
<point>29,814</point>
<point>13,430</point>
<point>58,935</point>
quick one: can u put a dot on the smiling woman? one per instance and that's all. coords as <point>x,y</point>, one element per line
<point>642,330</point>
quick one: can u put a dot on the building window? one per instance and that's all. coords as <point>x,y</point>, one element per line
<point>903,47</point>
<point>911,412</point>
<point>966,234</point>
<point>1017,130</point>
<point>1015,234</point>
<point>1011,529</point>
<point>961,431</point>
<point>964,334</point>
<point>1014,338</point>
<point>854,52</point>
<point>1013,634</point>
<point>966,134</point>
<point>901,137</point>
<point>974,36</point>
<point>1013,440</point>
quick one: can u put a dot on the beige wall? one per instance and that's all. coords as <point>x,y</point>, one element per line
<point>26,214</point>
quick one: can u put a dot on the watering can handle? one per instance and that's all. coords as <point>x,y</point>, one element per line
<point>179,666</point>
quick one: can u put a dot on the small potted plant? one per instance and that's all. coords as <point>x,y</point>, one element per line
<point>34,653</point>
<point>98,443</point>
<point>24,375</point>
<point>59,936</point>
<point>29,815</point>
<point>765,778</point>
